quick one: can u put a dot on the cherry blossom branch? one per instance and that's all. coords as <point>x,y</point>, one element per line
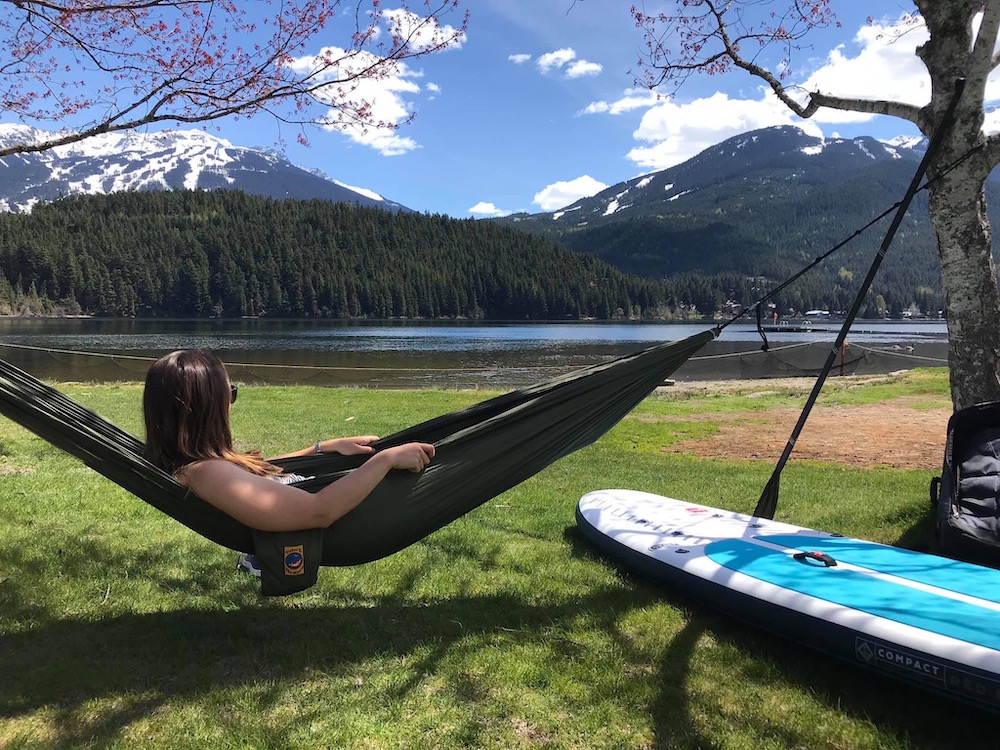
<point>710,36</point>
<point>175,60</point>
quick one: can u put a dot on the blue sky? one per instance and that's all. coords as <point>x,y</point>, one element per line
<point>538,107</point>
<point>506,122</point>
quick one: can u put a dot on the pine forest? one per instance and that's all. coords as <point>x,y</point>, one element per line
<point>228,254</point>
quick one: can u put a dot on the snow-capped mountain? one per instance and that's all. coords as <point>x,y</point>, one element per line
<point>166,160</point>
<point>769,160</point>
<point>761,203</point>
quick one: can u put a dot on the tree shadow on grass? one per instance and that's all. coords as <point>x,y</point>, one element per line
<point>920,535</point>
<point>183,654</point>
<point>133,665</point>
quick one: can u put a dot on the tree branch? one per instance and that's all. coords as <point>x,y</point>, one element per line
<point>991,150</point>
<point>707,45</point>
<point>987,36</point>
<point>866,106</point>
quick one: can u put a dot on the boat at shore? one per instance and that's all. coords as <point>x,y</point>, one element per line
<point>804,327</point>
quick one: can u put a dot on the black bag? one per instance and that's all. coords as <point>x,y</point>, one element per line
<point>966,496</point>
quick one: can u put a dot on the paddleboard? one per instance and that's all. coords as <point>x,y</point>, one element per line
<point>924,619</point>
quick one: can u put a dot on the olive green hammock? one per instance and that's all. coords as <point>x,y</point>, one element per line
<point>481,451</point>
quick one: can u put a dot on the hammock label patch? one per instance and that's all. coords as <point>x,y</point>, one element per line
<point>294,559</point>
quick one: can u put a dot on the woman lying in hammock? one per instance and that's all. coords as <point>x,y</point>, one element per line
<point>186,405</point>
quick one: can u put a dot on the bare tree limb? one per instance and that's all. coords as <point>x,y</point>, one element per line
<point>866,106</point>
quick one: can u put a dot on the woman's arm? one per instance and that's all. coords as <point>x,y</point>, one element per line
<point>264,504</point>
<point>348,446</point>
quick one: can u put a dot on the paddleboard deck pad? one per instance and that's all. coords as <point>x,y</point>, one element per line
<point>924,619</point>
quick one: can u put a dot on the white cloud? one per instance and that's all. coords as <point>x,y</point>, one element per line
<point>386,142</point>
<point>519,59</point>
<point>560,194</point>
<point>884,67</point>
<point>385,98</point>
<point>422,32</point>
<point>633,99</point>
<point>565,59</point>
<point>556,59</point>
<point>991,124</point>
<point>581,68</point>
<point>483,208</point>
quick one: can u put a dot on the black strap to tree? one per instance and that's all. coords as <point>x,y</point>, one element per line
<point>760,329</point>
<point>768,502</point>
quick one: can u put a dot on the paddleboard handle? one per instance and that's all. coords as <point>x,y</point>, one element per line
<point>822,557</point>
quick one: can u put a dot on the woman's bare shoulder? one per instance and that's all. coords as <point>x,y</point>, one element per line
<point>210,467</point>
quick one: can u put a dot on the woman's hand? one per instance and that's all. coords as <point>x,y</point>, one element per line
<point>349,446</point>
<point>409,456</point>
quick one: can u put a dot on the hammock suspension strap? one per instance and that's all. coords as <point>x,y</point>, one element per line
<point>768,502</point>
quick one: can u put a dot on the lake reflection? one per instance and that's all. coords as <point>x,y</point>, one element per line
<point>417,354</point>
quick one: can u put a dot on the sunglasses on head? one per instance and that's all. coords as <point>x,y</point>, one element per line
<point>233,393</point>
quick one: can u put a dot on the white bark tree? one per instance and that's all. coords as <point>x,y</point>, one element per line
<point>113,65</point>
<point>715,36</point>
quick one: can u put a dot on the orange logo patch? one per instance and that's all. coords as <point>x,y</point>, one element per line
<point>295,560</point>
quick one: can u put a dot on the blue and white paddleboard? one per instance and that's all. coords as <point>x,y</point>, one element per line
<point>918,617</point>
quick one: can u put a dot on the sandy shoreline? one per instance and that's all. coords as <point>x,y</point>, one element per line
<point>769,386</point>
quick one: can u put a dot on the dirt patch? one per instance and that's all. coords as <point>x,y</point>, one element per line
<point>7,468</point>
<point>901,433</point>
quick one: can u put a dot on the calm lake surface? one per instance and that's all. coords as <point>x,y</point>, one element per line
<point>448,354</point>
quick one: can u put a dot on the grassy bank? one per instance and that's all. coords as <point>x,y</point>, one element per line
<point>121,628</point>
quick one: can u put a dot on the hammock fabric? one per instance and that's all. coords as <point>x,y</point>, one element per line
<point>481,451</point>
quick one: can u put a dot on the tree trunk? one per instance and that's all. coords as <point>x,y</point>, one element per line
<point>958,211</point>
<point>957,200</point>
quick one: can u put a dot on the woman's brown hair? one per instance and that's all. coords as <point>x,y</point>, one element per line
<point>186,407</point>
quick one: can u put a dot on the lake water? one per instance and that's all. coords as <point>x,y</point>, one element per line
<point>451,354</point>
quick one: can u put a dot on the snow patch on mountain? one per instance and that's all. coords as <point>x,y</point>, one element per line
<point>363,191</point>
<point>614,204</point>
<point>559,214</point>
<point>905,141</point>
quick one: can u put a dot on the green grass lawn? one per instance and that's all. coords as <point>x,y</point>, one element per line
<point>120,628</point>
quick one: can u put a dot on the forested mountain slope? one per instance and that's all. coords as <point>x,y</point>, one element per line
<point>228,254</point>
